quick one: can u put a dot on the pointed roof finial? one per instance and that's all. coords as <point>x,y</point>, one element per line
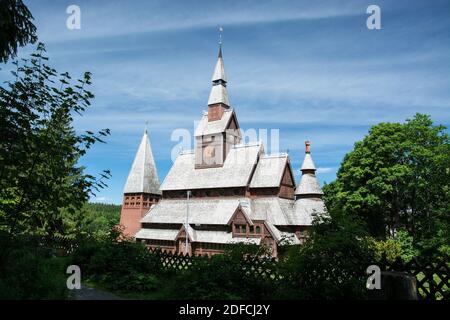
<point>146,126</point>
<point>220,41</point>
<point>308,163</point>
<point>307,146</point>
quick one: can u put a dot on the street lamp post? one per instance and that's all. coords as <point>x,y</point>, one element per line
<point>187,223</point>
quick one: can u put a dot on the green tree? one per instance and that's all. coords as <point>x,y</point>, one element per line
<point>397,176</point>
<point>16,28</point>
<point>331,264</point>
<point>40,180</point>
<point>93,219</point>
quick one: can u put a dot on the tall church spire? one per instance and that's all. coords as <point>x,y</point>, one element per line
<point>308,186</point>
<point>219,94</point>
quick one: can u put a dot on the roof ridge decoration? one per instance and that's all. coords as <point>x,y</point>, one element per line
<point>143,176</point>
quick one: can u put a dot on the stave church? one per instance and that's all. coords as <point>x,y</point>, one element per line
<point>222,192</point>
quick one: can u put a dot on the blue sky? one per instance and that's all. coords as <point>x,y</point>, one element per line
<point>311,69</point>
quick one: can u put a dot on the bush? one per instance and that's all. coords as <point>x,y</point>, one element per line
<point>118,264</point>
<point>28,271</point>
<point>399,248</point>
<point>220,277</point>
<point>330,265</point>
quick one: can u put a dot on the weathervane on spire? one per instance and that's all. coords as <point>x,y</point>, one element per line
<point>146,125</point>
<point>220,35</point>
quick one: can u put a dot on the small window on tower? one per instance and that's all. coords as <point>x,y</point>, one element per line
<point>258,229</point>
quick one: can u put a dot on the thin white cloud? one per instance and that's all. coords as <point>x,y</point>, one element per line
<point>325,170</point>
<point>114,18</point>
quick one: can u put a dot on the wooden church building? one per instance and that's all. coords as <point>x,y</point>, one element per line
<point>222,192</point>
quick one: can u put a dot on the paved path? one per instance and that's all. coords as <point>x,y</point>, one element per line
<point>88,293</point>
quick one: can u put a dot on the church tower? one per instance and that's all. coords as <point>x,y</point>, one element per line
<point>308,186</point>
<point>218,130</point>
<point>141,189</point>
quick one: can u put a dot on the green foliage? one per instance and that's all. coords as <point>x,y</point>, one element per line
<point>92,220</point>
<point>101,217</point>
<point>397,177</point>
<point>30,271</point>
<point>389,249</point>
<point>332,263</point>
<point>405,242</point>
<point>16,28</point>
<point>399,247</point>
<point>117,263</point>
<point>40,181</point>
<point>42,187</point>
<point>220,277</point>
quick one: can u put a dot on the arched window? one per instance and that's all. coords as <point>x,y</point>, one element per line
<point>258,229</point>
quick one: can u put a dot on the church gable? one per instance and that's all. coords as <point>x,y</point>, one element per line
<point>182,234</point>
<point>287,184</point>
<point>288,177</point>
<point>240,217</point>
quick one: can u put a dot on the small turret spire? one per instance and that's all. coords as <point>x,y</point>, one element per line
<point>308,186</point>
<point>308,163</point>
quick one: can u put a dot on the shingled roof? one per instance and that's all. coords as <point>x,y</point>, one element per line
<point>143,177</point>
<point>308,185</point>
<point>269,171</point>
<point>201,211</point>
<point>206,127</point>
<point>235,172</point>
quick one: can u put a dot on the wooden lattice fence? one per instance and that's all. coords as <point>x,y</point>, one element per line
<point>178,261</point>
<point>265,268</point>
<point>252,266</point>
<point>432,275</point>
